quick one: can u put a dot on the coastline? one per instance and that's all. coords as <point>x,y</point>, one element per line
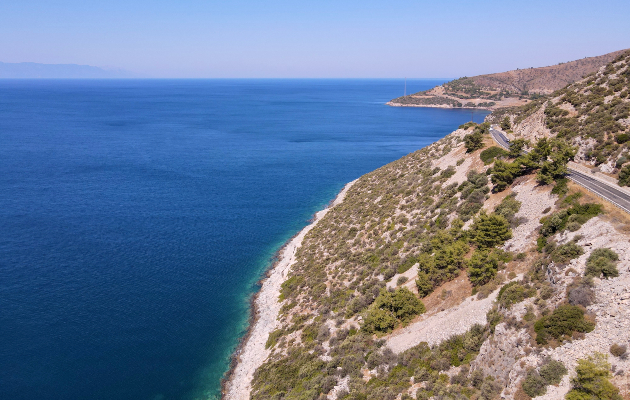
<point>392,104</point>
<point>251,352</point>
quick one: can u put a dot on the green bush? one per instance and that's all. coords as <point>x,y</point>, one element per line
<point>467,125</point>
<point>553,371</point>
<point>592,380</point>
<point>564,320</point>
<point>602,262</point>
<point>473,141</point>
<point>624,176</point>
<point>508,207</point>
<point>560,188</point>
<point>566,252</point>
<point>489,154</point>
<point>622,138</point>
<point>536,382</point>
<point>424,284</point>
<point>391,308</point>
<point>490,230</point>
<point>379,321</point>
<point>514,292</point>
<point>548,157</point>
<point>482,267</point>
<point>579,213</point>
<point>504,173</point>
<point>517,147</point>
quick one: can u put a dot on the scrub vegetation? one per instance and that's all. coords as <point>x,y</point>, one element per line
<point>448,215</point>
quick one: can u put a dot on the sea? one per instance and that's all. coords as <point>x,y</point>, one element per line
<point>138,216</point>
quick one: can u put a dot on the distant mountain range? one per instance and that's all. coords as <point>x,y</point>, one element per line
<point>29,70</point>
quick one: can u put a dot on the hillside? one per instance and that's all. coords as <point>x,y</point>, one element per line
<point>504,89</point>
<point>592,114</point>
<point>461,271</point>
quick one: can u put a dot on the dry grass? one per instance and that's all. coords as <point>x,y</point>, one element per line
<point>613,214</point>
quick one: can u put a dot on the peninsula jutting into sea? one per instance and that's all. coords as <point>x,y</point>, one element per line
<point>493,262</point>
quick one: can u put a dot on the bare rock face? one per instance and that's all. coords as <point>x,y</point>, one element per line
<point>533,127</point>
<point>499,354</point>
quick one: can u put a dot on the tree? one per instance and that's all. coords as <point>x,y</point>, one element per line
<point>390,308</point>
<point>505,124</point>
<point>624,176</point>
<point>424,284</point>
<point>552,156</point>
<point>473,141</point>
<point>490,230</point>
<point>482,267</point>
<point>592,380</point>
<point>516,147</point>
<point>503,174</point>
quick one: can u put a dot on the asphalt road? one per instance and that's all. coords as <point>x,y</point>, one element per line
<point>500,138</point>
<point>619,198</point>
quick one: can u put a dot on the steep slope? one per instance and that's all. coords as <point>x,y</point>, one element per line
<point>505,89</point>
<point>592,114</point>
<point>423,281</point>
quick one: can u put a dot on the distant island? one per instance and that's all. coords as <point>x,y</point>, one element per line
<point>505,89</point>
<point>30,70</point>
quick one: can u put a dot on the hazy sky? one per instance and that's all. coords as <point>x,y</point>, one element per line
<point>319,38</point>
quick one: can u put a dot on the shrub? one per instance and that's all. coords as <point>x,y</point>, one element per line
<point>516,147</point>
<point>448,172</point>
<point>490,230</point>
<point>489,154</point>
<point>482,267</point>
<point>534,384</point>
<point>582,295</point>
<point>503,174</point>
<point>514,292</point>
<point>618,350</point>
<point>592,380</point>
<point>602,262</point>
<point>624,176</point>
<point>553,371</point>
<point>391,308</point>
<point>379,321</point>
<point>564,320</point>
<point>508,207</point>
<point>473,141</point>
<point>424,285</point>
<point>579,213</point>
<point>622,138</point>
<point>560,188</point>
<point>566,252</point>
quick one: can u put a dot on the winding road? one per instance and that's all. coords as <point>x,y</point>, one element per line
<point>604,190</point>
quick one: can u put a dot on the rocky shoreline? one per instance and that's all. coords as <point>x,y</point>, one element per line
<point>251,352</point>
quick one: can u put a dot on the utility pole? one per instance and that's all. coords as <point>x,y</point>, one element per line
<point>405,86</point>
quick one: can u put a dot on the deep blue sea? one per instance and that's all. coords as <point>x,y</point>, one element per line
<point>136,217</point>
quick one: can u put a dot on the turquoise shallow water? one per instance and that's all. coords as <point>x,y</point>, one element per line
<point>137,216</point>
